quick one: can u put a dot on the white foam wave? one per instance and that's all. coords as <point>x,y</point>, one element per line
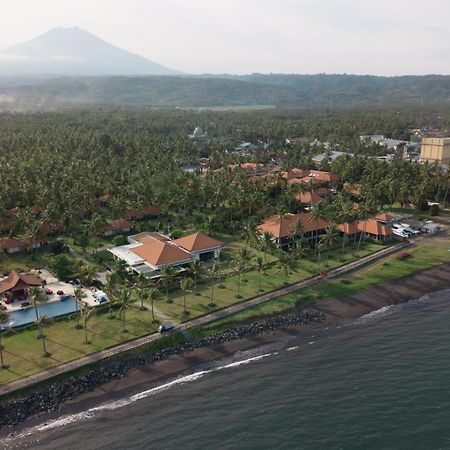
<point>91,413</point>
<point>290,349</point>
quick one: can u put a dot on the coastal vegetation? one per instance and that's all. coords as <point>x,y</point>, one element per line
<point>79,171</point>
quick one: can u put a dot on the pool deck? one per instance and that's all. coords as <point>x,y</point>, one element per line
<point>55,285</point>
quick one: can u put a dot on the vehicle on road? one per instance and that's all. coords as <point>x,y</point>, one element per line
<point>165,327</point>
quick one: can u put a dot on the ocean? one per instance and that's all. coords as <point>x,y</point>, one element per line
<point>377,382</point>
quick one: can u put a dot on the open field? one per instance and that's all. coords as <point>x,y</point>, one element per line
<point>23,261</point>
<point>65,343</point>
<point>225,292</point>
<point>428,253</point>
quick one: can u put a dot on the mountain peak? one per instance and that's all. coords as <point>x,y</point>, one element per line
<point>74,51</point>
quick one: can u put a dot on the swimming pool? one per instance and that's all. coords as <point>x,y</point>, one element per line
<point>53,309</point>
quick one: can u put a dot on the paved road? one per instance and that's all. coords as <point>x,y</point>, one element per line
<point>220,314</point>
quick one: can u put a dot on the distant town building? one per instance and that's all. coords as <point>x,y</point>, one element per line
<point>379,139</point>
<point>435,150</point>
<point>330,156</point>
<point>198,134</point>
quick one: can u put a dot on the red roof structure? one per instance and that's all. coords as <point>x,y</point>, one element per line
<point>160,253</point>
<point>282,226</point>
<point>198,241</point>
<point>18,282</point>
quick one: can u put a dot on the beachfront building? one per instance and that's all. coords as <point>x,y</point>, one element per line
<point>309,198</point>
<point>283,228</point>
<point>149,212</point>
<point>148,252</point>
<point>15,286</point>
<point>374,229</point>
<point>11,245</point>
<point>378,228</point>
<point>121,226</point>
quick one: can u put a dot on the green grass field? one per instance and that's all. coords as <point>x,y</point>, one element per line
<point>424,257</point>
<point>22,350</point>
<point>225,295</point>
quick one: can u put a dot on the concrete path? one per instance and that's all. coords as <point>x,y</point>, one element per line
<point>77,255</point>
<point>216,315</point>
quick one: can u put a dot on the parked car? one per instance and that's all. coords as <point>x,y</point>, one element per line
<point>164,328</point>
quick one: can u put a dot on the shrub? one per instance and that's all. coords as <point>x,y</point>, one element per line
<point>404,255</point>
<point>434,210</point>
<point>120,240</point>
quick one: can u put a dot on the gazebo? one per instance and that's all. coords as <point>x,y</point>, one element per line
<point>15,285</point>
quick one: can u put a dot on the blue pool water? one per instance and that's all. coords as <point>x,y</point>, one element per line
<point>54,309</point>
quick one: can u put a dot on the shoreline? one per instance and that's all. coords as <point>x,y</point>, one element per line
<point>334,310</point>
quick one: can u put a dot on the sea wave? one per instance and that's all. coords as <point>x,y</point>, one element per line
<point>92,412</point>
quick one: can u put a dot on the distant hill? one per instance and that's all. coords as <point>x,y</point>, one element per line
<point>286,91</point>
<point>72,51</point>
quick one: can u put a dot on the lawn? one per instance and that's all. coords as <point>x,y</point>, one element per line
<point>23,261</point>
<point>424,256</point>
<point>65,343</point>
<point>225,292</point>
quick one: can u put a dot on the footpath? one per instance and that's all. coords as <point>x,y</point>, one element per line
<point>199,321</point>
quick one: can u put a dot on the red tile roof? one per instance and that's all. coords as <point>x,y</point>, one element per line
<point>373,227</point>
<point>308,198</point>
<point>282,226</point>
<point>349,227</point>
<point>198,241</point>
<point>147,211</point>
<point>159,253</point>
<point>16,282</point>
<point>384,217</point>
<point>9,243</point>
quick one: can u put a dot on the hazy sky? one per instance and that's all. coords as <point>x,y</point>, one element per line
<point>384,37</point>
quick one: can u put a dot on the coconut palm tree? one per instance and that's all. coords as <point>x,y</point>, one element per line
<point>78,295</point>
<point>86,313</point>
<point>300,249</point>
<point>297,230</point>
<point>240,269</point>
<point>214,273</point>
<point>250,232</point>
<point>319,246</point>
<point>124,300</point>
<point>111,289</point>
<point>196,268</point>
<point>41,323</point>
<point>245,255</point>
<point>87,273</point>
<point>186,285</point>
<point>364,210</point>
<point>287,264</point>
<point>37,296</point>
<point>267,241</point>
<point>260,266</point>
<point>4,319</point>
<point>167,276</point>
<point>345,215</point>
<point>328,239</point>
<point>151,294</point>
<point>141,286</point>
<point>317,213</point>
